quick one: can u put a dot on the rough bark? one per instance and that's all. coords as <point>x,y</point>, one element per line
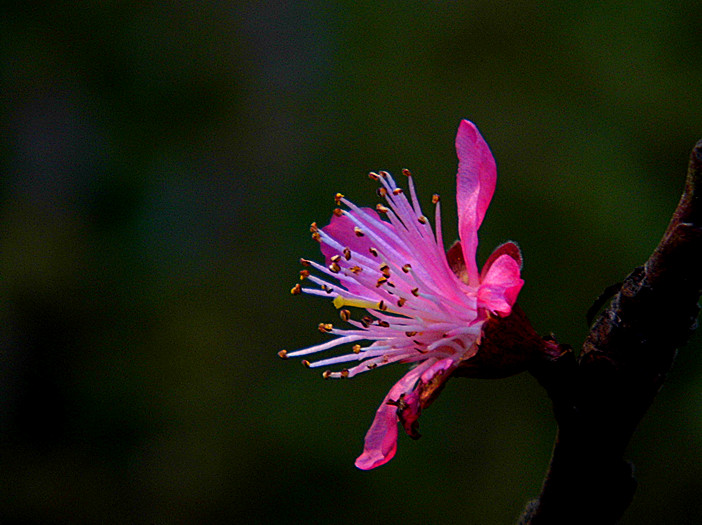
<point>600,397</point>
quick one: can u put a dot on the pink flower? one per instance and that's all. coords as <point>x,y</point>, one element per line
<point>422,306</point>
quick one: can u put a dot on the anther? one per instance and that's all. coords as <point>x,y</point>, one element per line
<point>415,292</point>
<point>373,251</point>
<point>373,176</point>
<point>385,270</point>
<point>401,302</point>
<point>345,315</point>
<point>317,237</point>
<point>406,268</point>
<point>326,374</point>
<point>358,231</point>
<point>338,212</point>
<point>296,290</point>
<point>391,285</point>
<point>371,366</point>
<point>305,363</point>
<point>304,274</point>
<point>337,198</point>
<point>382,306</point>
<point>347,253</point>
<point>356,349</point>
<point>381,192</point>
<point>304,262</point>
<point>356,269</point>
<point>313,227</point>
<point>410,334</point>
<point>422,219</point>
<point>334,268</point>
<point>366,321</point>
<point>406,172</point>
<point>283,354</point>
<point>325,328</point>
<point>381,208</point>
<point>397,191</point>
<point>335,258</point>
<point>384,174</point>
<point>384,324</point>
<point>344,373</point>
<point>381,281</point>
<point>435,198</point>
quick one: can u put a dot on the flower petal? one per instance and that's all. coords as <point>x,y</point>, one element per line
<point>423,394</point>
<point>477,175</point>
<point>510,248</point>
<point>501,285</point>
<point>381,439</point>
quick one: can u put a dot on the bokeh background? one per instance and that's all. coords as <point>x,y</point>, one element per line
<point>161,163</point>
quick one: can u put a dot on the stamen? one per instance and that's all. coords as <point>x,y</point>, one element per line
<point>385,270</point>
<point>397,191</point>
<point>325,328</point>
<point>406,172</point>
<point>415,292</point>
<point>422,219</point>
<point>401,301</point>
<point>335,258</point>
<point>338,212</point>
<point>358,231</point>
<point>373,176</point>
<point>381,208</point>
<point>347,254</point>
<point>296,290</point>
<point>313,227</point>
<point>304,262</point>
<point>356,349</point>
<point>335,268</point>
<point>337,198</point>
<point>305,363</point>
<point>373,251</point>
<point>406,268</point>
<point>283,354</point>
<point>345,315</point>
<point>304,274</point>
<point>435,198</point>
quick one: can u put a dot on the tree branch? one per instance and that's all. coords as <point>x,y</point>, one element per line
<point>600,398</point>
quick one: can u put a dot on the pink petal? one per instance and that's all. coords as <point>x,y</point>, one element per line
<point>501,285</point>
<point>341,229</point>
<point>510,248</point>
<point>414,402</point>
<point>381,439</point>
<point>477,175</point>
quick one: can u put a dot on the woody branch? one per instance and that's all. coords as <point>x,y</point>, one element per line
<point>600,397</point>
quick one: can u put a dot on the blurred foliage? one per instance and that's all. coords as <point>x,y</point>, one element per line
<point>161,163</point>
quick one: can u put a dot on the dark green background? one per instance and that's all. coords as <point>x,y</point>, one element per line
<point>161,163</point>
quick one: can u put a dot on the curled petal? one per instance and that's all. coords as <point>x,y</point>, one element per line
<point>510,248</point>
<point>501,285</point>
<point>381,440</point>
<point>475,185</point>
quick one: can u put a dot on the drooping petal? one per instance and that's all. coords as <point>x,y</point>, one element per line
<point>423,394</point>
<point>380,443</point>
<point>501,285</point>
<point>477,175</point>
